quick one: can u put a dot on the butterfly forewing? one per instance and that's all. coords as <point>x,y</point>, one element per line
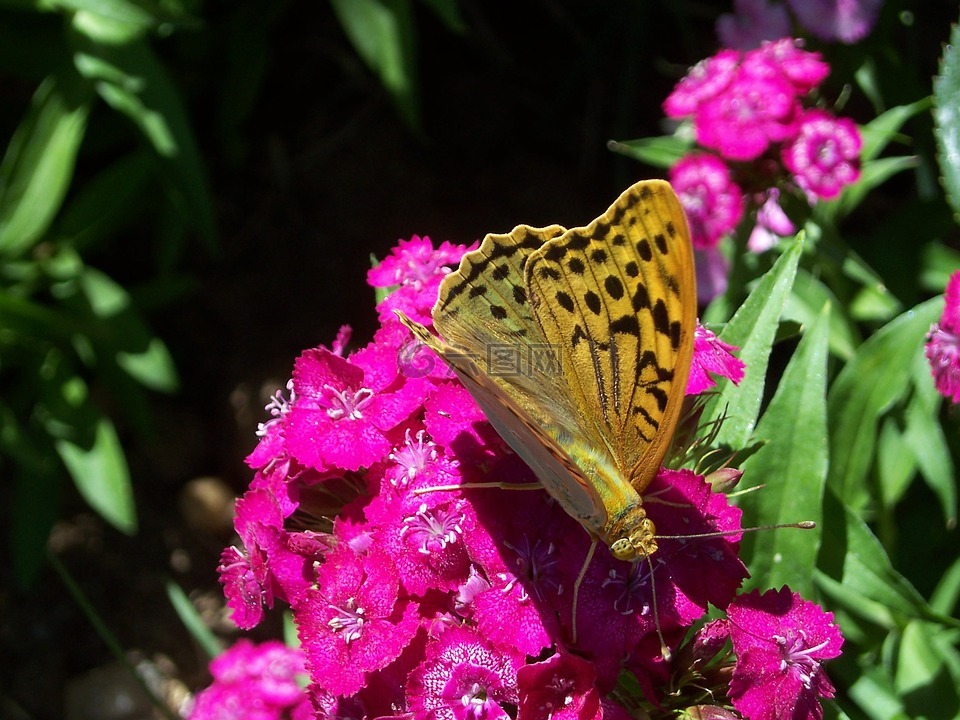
<point>618,300</point>
<point>576,345</point>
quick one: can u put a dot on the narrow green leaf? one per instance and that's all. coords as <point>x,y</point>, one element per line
<point>896,463</point>
<point>921,677</point>
<point>947,593</point>
<point>792,465</point>
<point>191,620</point>
<point>925,436</point>
<point>661,152</point>
<point>752,329</point>
<point>132,80</point>
<point>381,32</point>
<point>873,174</point>
<point>939,262</point>
<point>873,691</point>
<point>101,475</point>
<point>37,167</point>
<point>449,12</point>
<point>878,133</point>
<point>153,368</point>
<point>105,201</point>
<point>809,297</point>
<point>854,569</point>
<point>868,386</point>
<point>946,118</point>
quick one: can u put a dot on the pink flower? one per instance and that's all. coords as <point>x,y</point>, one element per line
<point>751,22</point>
<point>845,20</point>
<point>787,59</point>
<point>772,223</point>
<point>416,263</point>
<point>562,687</point>
<point>343,412</point>
<point>753,111</point>
<point>463,678</point>
<point>354,621</point>
<point>712,355</point>
<point>825,154</point>
<point>255,681</point>
<point>705,80</point>
<point>712,201</point>
<point>616,598</point>
<point>265,568</point>
<point>943,343</point>
<point>781,641</point>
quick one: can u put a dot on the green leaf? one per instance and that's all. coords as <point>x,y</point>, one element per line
<point>947,593</point>
<point>921,676</point>
<point>191,620</point>
<point>873,173</point>
<point>867,387</point>
<point>924,434</point>
<point>382,34</point>
<point>37,167</point>
<point>662,152</point>
<point>896,463</point>
<point>854,570</point>
<point>752,329</point>
<point>449,12</point>
<point>809,297</point>
<point>792,465</point>
<point>946,118</point>
<point>105,201</point>
<point>101,475</point>
<point>873,692</point>
<point>153,368</point>
<point>878,133</point>
<point>133,82</point>
<point>939,262</point>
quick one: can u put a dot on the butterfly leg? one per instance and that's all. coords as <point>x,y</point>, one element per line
<point>579,581</point>
<point>477,486</point>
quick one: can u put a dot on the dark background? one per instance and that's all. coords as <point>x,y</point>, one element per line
<point>321,173</point>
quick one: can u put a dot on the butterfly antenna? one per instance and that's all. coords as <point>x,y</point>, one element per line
<point>664,650</point>
<point>579,581</point>
<point>802,525</point>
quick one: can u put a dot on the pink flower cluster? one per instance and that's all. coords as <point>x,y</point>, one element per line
<point>748,108</point>
<point>416,598</point>
<point>943,343</point>
<point>255,682</point>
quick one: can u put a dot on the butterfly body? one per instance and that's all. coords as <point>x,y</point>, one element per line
<point>576,344</point>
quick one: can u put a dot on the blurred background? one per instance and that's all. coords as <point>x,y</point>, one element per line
<point>191,193</point>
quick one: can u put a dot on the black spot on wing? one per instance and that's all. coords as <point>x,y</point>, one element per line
<point>661,318</point>
<point>643,250</point>
<point>592,301</point>
<point>613,286</point>
<point>576,266</point>
<point>641,298</point>
<point>626,324</point>
<point>564,301</point>
<point>661,242</point>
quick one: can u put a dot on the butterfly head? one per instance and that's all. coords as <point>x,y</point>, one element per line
<point>637,541</point>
